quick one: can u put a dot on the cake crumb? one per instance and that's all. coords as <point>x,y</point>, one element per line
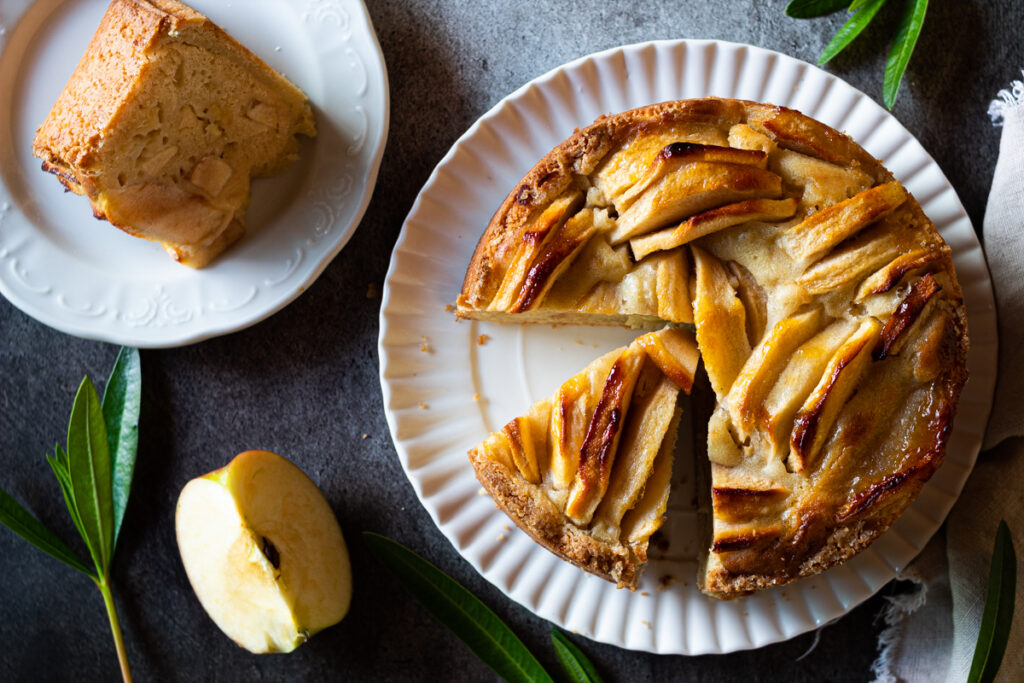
<point>366,436</point>
<point>501,537</point>
<point>476,397</point>
<point>481,491</point>
<point>483,339</point>
<point>665,581</point>
<point>422,405</point>
<point>449,308</point>
<point>372,291</point>
<point>579,342</point>
<point>507,527</point>
<point>646,623</point>
<point>644,593</point>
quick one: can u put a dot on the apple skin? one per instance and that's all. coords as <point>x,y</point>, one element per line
<point>263,552</point>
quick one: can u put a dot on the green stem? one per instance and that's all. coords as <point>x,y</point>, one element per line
<point>115,628</point>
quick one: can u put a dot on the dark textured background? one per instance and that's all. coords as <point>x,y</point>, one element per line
<point>304,383</point>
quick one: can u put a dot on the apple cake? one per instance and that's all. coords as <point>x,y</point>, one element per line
<point>163,124</point>
<point>825,305</point>
<point>586,472</point>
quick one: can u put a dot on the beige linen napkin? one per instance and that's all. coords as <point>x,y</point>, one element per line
<point>931,631</point>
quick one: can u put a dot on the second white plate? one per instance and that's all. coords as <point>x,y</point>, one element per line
<point>446,385</point>
<point>89,279</point>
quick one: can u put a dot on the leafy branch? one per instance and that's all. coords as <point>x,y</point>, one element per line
<point>473,622</point>
<point>94,472</point>
<point>862,13</point>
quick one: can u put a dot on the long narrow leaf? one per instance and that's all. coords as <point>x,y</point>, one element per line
<point>997,618</point>
<point>857,4</point>
<point>22,522</point>
<point>458,609</point>
<point>577,667</point>
<point>122,401</point>
<point>59,467</point>
<point>808,9</point>
<point>850,30</point>
<point>902,48</point>
<point>89,465</point>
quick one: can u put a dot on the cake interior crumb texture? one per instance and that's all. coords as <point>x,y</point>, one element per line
<point>163,124</point>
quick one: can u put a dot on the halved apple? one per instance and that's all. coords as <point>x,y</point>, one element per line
<point>263,552</point>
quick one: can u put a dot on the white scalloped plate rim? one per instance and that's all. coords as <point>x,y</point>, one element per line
<point>114,288</point>
<point>424,376</point>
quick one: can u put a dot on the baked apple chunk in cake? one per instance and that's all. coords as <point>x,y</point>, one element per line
<point>164,122</point>
<point>826,309</point>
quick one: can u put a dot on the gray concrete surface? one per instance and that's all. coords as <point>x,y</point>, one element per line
<point>304,382</point>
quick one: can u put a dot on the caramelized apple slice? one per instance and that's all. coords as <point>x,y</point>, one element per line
<point>815,419</point>
<point>533,241</point>
<point>722,447</point>
<point>597,452</point>
<point>648,514</point>
<point>673,156</point>
<point>707,222</point>
<point>888,277</point>
<point>721,323</point>
<point>673,287</point>
<point>651,412</point>
<point>674,352</point>
<point>894,333</point>
<point>824,184</point>
<point>743,136</point>
<point>553,260</point>
<point>732,504</point>
<point>849,265</point>
<point>754,300</point>
<point>692,188</point>
<point>796,382</point>
<point>763,368</point>
<point>524,451</point>
<point>745,539</point>
<point>817,234</point>
<point>572,408</point>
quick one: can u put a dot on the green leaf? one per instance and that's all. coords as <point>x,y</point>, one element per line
<point>998,615</point>
<point>458,609</point>
<point>89,466</point>
<point>850,30</point>
<point>902,48</point>
<point>808,9</point>
<point>577,667</point>
<point>22,522</point>
<point>122,401</point>
<point>857,4</point>
<point>60,470</point>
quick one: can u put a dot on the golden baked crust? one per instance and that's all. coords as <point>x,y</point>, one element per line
<point>827,312</point>
<point>163,123</point>
<point>586,472</point>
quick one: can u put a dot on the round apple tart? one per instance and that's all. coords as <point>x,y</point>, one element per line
<point>826,311</point>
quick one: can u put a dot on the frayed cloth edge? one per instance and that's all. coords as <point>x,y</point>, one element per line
<point>899,607</point>
<point>1006,100</point>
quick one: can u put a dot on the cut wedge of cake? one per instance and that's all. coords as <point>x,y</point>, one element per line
<point>586,472</point>
<point>164,122</point>
<point>826,309</point>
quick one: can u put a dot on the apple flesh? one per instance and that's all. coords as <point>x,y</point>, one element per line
<point>263,552</point>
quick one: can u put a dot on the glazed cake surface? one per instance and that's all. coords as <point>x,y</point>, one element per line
<point>826,308</point>
<point>163,124</point>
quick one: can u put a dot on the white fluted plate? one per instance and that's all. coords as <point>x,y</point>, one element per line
<point>89,279</point>
<point>444,391</point>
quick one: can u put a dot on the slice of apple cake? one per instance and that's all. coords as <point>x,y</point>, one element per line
<point>586,472</point>
<point>164,122</point>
